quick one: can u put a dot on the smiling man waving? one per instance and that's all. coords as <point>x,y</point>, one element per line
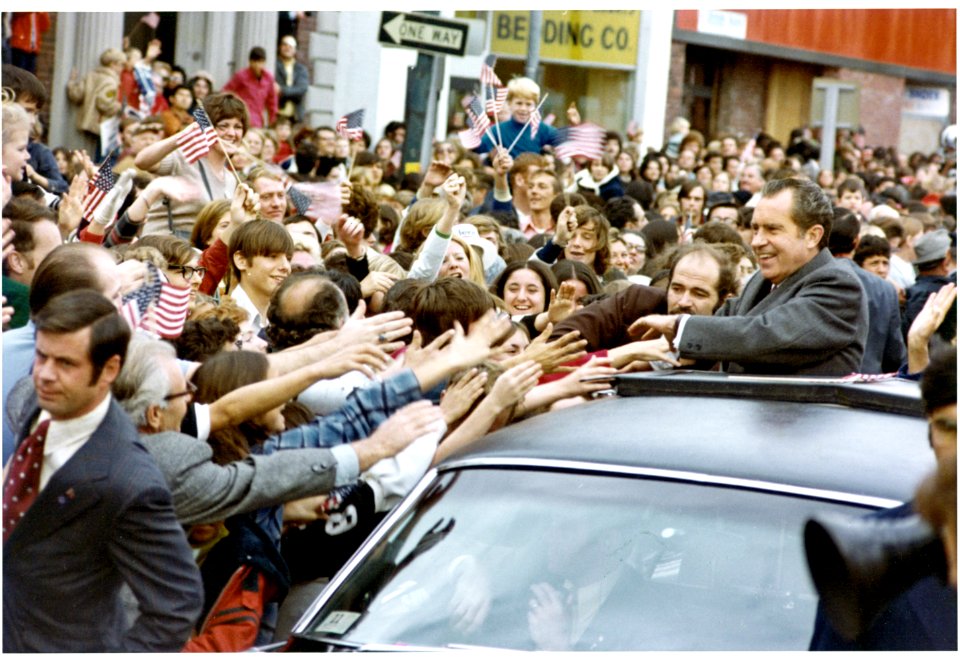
<point>804,314</point>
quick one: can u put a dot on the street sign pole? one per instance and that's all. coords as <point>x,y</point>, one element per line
<point>434,37</point>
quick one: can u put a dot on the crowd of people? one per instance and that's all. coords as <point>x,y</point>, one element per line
<point>344,325</point>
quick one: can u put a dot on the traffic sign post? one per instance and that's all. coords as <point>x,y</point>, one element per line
<point>428,34</point>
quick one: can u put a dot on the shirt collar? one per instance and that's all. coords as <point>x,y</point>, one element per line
<point>62,432</point>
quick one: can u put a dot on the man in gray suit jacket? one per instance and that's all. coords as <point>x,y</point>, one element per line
<point>101,515</point>
<point>153,390</point>
<point>803,314</point>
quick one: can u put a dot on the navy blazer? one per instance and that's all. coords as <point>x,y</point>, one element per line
<point>105,518</point>
<point>885,350</point>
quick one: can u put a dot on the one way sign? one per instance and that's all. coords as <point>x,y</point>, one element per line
<point>427,33</point>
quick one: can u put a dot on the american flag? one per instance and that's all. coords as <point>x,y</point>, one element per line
<point>487,76</point>
<point>478,122</point>
<point>496,97</point>
<point>299,200</point>
<point>468,139</point>
<point>471,138</point>
<point>476,115</point>
<point>157,306</point>
<point>198,138</point>
<point>585,140</point>
<point>535,120</point>
<point>351,125</point>
<point>103,181</point>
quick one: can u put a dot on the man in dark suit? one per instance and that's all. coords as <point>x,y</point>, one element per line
<point>804,314</point>
<point>885,350</point>
<point>86,509</point>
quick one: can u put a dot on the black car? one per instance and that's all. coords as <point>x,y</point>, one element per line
<point>669,517</point>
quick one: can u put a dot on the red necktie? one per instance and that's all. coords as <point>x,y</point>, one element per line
<point>23,480</point>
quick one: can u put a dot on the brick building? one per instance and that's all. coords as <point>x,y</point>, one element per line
<point>755,69</point>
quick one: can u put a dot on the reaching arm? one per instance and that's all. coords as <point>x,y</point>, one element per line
<point>437,172</point>
<point>397,432</point>
<point>428,263</point>
<point>453,351</point>
<point>572,385</point>
<point>255,399</point>
<point>392,326</point>
<point>150,157</point>
<point>502,162</point>
<point>507,391</point>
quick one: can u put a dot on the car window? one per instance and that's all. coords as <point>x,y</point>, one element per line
<point>557,560</point>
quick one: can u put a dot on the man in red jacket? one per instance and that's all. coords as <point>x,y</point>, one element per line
<point>256,87</point>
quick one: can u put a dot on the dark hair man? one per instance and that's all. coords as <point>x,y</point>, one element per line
<point>804,314</point>
<point>885,350</point>
<point>259,254</point>
<point>256,87</point>
<point>68,267</point>
<point>701,279</point>
<point>102,515</point>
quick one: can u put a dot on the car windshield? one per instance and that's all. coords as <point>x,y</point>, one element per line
<point>557,560</point>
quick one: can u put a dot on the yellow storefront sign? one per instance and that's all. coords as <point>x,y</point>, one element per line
<point>601,37</point>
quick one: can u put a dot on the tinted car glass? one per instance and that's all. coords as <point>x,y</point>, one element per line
<point>614,563</point>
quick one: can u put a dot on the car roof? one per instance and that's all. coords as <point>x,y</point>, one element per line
<point>811,433</point>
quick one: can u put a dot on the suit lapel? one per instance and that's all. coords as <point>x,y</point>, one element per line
<point>73,489</point>
<point>758,287</point>
<point>754,293</point>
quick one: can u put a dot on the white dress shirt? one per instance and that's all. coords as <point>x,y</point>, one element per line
<point>65,437</point>
<point>255,321</point>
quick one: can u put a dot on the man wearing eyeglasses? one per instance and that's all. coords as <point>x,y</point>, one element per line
<point>153,391</point>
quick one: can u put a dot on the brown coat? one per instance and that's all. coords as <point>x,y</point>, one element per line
<point>98,96</point>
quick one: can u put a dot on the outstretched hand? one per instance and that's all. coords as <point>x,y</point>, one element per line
<point>563,302</point>
<point>364,357</point>
<point>382,329</point>
<point>550,355</point>
<point>513,384</point>
<point>566,225</point>
<point>460,396</point>
<point>406,425</point>
<point>665,325</point>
